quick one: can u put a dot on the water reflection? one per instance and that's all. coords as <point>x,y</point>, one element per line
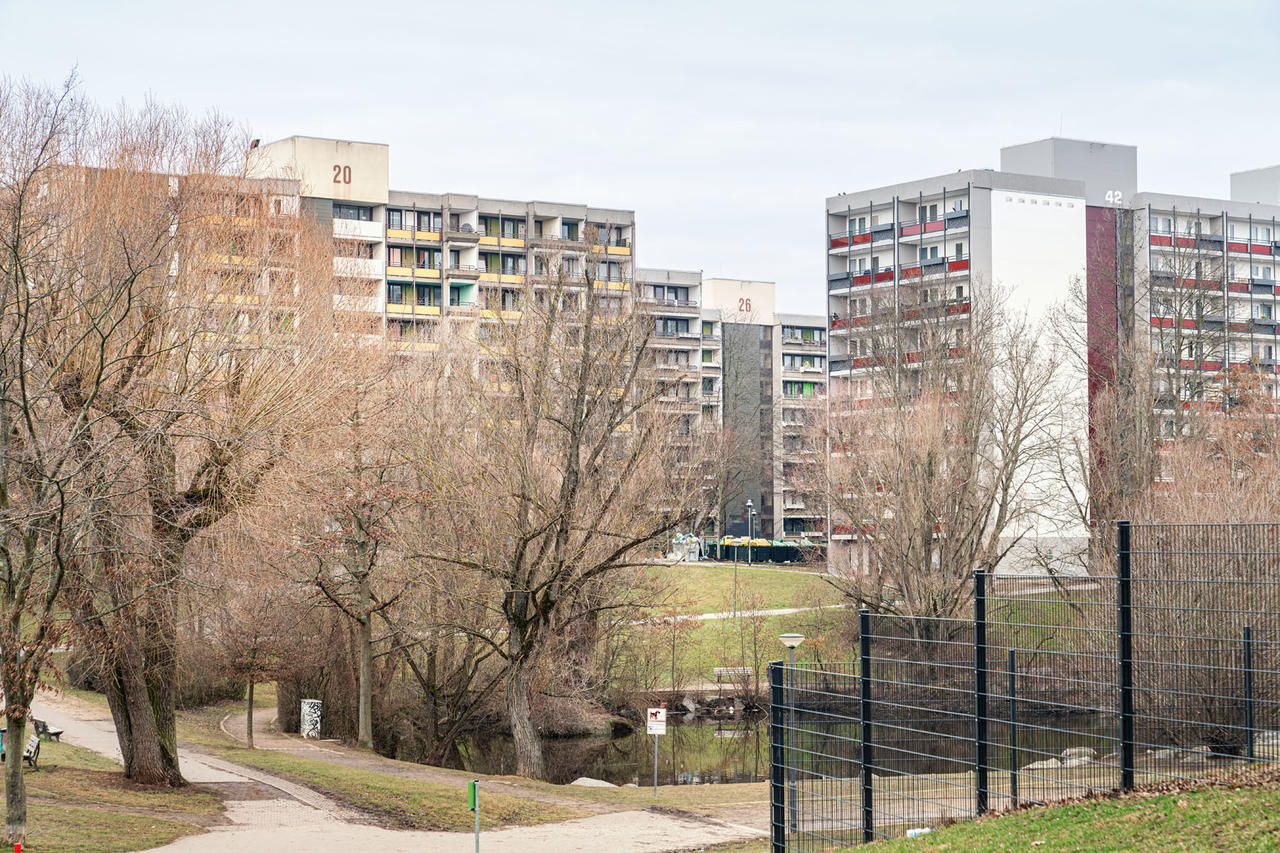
<point>695,754</point>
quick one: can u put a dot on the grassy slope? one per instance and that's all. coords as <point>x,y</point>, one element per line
<point>702,588</point>
<point>395,800</point>
<point>80,801</point>
<point>1245,818</point>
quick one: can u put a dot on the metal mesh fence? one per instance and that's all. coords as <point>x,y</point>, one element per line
<point>1055,687</point>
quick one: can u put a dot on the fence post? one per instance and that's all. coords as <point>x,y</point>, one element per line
<point>1124,625</point>
<point>777,768</point>
<point>1013,732</point>
<point>864,683</point>
<point>1248,688</point>
<point>980,690</point>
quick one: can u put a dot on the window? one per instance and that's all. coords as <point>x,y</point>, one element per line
<point>429,259</point>
<point>396,256</point>
<point>1264,311</point>
<point>959,251</point>
<point>668,293</point>
<point>708,328</point>
<point>569,230</point>
<point>393,218</point>
<point>353,211</point>
<point>428,294</point>
<point>671,327</point>
<point>395,294</point>
<point>489,262</point>
<point>428,220</point>
<point>512,228</point>
<point>708,356</point>
<point>489,226</point>
<point>513,265</point>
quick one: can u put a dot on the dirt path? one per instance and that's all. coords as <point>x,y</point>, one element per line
<point>267,813</point>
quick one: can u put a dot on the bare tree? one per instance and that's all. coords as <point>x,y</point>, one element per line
<point>562,468</point>
<point>938,457</point>
<point>185,340</point>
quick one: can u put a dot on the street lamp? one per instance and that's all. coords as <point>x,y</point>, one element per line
<point>751,527</point>
<point>791,641</point>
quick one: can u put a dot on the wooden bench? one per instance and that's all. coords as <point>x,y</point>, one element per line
<point>47,731</point>
<point>31,755</point>
<point>732,674</point>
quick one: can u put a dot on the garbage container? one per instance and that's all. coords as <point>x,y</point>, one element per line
<point>310,725</point>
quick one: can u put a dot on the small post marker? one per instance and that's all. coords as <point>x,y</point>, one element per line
<point>656,724</point>
<point>473,803</point>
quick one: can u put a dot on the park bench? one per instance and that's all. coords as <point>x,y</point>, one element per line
<point>732,674</point>
<point>31,754</point>
<point>47,731</point>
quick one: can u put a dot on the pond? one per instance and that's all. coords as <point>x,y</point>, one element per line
<point>699,753</point>
<point>714,752</point>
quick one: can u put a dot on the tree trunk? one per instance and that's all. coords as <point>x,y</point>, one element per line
<point>248,716</point>
<point>528,743</point>
<point>15,790</point>
<point>150,754</point>
<point>365,722</point>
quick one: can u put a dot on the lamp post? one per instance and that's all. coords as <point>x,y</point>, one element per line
<point>751,528</point>
<point>791,641</point>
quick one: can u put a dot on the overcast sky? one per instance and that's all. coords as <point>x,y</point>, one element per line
<point>723,125</point>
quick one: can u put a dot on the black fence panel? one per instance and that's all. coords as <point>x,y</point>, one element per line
<point>1053,687</point>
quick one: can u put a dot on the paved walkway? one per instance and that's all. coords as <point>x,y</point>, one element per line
<point>267,813</point>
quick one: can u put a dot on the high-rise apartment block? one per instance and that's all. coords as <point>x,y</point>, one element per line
<point>418,259</point>
<point>1195,278</point>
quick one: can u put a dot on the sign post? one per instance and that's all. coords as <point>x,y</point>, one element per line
<point>473,803</point>
<point>656,724</point>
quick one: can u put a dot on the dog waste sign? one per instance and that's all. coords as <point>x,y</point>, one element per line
<point>657,721</point>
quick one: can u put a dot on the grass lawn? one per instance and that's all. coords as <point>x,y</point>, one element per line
<point>80,801</point>
<point>702,588</point>
<point>1244,817</point>
<point>395,800</point>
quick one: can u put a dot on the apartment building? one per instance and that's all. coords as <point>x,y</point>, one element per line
<point>419,259</point>
<point>910,265</point>
<point>686,355</point>
<point>1195,279</point>
<point>772,374</point>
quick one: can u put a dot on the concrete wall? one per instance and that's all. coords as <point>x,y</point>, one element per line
<point>337,169</point>
<point>1109,171</point>
<point>740,301</point>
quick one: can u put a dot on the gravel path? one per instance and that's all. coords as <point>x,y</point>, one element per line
<point>266,813</point>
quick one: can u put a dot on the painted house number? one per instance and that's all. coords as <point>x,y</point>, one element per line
<point>744,305</point>
<point>1114,197</point>
<point>341,174</point>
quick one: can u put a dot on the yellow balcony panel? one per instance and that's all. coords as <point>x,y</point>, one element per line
<point>218,219</point>
<point>511,315</point>
<point>394,308</point>
<point>489,276</point>
<point>429,235</point>
<point>611,285</point>
<point>232,260</point>
<point>399,234</point>
<point>620,250</point>
<point>488,241</point>
<point>402,272</point>
<point>598,249</point>
<point>428,310</point>
<point>488,313</point>
<point>417,346</point>
<point>426,273</point>
<point>513,242</point>
<point>236,298</point>
<point>509,278</point>
<point>622,428</point>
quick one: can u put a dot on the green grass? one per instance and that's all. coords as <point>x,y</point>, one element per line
<point>80,801</point>
<point>401,801</point>
<point>703,588</point>
<point>1237,818</point>
<point>394,799</point>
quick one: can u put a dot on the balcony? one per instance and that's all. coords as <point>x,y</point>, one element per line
<point>355,229</point>
<point>807,343</point>
<point>671,306</point>
<point>470,271</point>
<point>357,267</point>
<point>464,232</point>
